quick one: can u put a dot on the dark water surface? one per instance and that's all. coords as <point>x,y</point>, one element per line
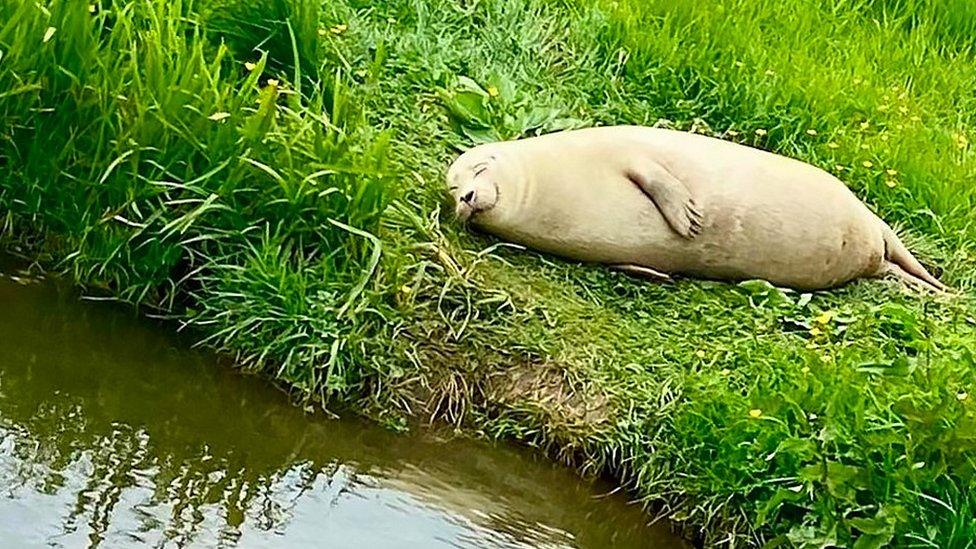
<point>113,433</point>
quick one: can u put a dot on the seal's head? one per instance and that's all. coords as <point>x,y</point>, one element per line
<point>473,181</point>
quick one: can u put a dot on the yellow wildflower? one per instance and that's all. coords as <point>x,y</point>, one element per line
<point>805,370</point>
<point>250,66</point>
<point>755,412</point>
<point>865,125</point>
<point>833,145</point>
<point>339,29</point>
<point>761,132</point>
<point>811,131</point>
<point>891,183</point>
<point>700,354</point>
<point>867,164</point>
<point>824,317</point>
<point>891,172</point>
<point>815,331</point>
<point>493,91</point>
<point>91,8</point>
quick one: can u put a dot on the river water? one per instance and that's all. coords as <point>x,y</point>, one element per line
<point>114,433</point>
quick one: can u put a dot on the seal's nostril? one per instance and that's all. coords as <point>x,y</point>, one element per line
<point>468,197</point>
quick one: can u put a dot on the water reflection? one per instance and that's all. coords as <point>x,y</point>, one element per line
<point>113,434</point>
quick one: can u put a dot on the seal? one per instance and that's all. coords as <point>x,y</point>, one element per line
<point>655,203</point>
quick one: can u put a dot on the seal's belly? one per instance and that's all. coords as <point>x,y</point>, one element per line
<point>606,221</point>
<point>793,237</point>
<point>802,245</point>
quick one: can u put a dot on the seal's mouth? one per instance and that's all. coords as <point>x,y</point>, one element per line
<point>463,212</point>
<point>475,201</point>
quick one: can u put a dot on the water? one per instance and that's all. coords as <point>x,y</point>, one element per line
<point>114,434</point>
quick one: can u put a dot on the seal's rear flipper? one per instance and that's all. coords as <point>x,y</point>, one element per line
<point>909,279</point>
<point>643,272</point>
<point>901,263</point>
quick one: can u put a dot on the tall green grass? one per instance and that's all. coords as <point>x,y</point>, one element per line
<point>181,176</point>
<point>270,174</point>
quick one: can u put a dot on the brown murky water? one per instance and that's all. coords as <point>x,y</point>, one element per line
<point>113,433</point>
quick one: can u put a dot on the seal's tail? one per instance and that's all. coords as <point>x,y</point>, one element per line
<point>901,262</point>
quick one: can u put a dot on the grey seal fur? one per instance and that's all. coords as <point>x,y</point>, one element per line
<point>656,202</point>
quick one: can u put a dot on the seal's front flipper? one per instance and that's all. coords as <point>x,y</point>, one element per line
<point>671,197</point>
<point>642,272</point>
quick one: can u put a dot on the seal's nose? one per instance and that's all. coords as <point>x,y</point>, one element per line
<point>468,197</point>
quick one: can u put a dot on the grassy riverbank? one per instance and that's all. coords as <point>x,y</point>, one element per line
<point>271,176</point>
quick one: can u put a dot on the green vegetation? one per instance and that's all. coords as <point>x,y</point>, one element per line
<point>271,176</point>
